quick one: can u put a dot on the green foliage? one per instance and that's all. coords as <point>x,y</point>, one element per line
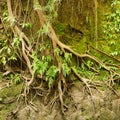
<point>40,65</point>
<point>37,5</point>
<point>43,67</point>
<point>16,79</point>
<point>66,69</point>
<point>51,11</point>
<point>4,51</point>
<point>85,71</point>
<point>5,16</point>
<point>51,74</point>
<point>112,28</point>
<point>8,19</point>
<point>8,43</point>
<point>65,64</point>
<point>67,57</point>
<point>27,25</point>
<point>50,8</point>
<point>16,41</point>
<point>90,63</point>
<point>8,51</point>
<point>113,21</point>
<point>57,51</point>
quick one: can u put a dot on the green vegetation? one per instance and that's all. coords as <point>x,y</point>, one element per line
<point>40,54</point>
<point>112,28</point>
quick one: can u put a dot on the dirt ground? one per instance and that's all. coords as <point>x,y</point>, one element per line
<point>102,105</point>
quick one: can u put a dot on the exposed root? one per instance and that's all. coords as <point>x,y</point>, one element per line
<point>104,53</point>
<point>86,82</point>
<point>64,47</point>
<point>61,96</point>
<point>26,52</point>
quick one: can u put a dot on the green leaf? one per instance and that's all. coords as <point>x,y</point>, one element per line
<point>50,82</point>
<point>27,25</point>
<point>3,60</point>
<point>42,47</point>
<point>13,57</point>
<point>8,50</point>
<point>66,69</point>
<point>57,51</point>
<point>16,79</point>
<point>51,74</point>
<point>52,71</point>
<point>42,67</point>
<point>67,57</point>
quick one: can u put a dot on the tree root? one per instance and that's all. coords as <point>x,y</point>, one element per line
<point>27,50</point>
<point>64,47</point>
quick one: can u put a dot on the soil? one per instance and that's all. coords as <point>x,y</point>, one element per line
<point>102,105</point>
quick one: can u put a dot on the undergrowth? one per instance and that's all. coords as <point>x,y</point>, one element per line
<point>40,58</point>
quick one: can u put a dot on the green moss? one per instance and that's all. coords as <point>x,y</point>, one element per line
<point>10,93</point>
<point>7,94</point>
<point>7,108</point>
<point>71,36</point>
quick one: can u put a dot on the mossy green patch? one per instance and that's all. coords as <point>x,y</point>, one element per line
<point>13,90</point>
<point>7,94</point>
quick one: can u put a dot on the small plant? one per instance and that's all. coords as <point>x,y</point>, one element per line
<point>51,75</point>
<point>16,79</point>
<point>112,28</point>
<point>40,65</point>
<point>66,69</point>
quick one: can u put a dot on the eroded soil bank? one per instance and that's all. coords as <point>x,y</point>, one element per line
<point>102,105</point>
